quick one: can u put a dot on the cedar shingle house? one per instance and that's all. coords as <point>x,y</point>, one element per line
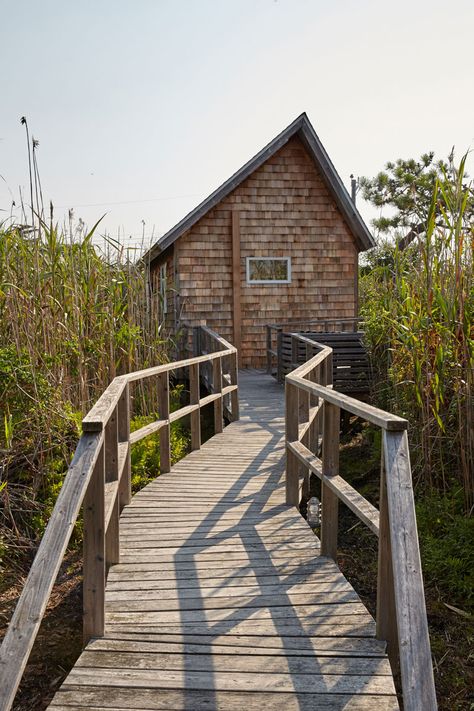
<point>278,241</point>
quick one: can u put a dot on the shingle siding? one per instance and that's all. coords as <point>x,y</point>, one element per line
<point>285,211</point>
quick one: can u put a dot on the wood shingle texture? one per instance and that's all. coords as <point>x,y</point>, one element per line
<point>221,600</point>
<point>286,208</point>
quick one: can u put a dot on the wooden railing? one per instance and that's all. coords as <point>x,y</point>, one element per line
<point>351,372</point>
<point>99,479</point>
<point>313,415</point>
<point>275,330</point>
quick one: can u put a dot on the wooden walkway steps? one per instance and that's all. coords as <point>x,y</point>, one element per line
<point>221,599</point>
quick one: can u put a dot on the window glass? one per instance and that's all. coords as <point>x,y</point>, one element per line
<point>268,269</point>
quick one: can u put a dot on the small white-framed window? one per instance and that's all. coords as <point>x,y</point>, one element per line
<point>163,289</point>
<point>268,270</point>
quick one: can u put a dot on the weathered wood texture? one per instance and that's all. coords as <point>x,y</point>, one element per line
<point>31,607</point>
<point>351,367</point>
<point>93,587</point>
<point>330,468</point>
<point>221,599</point>
<point>415,662</point>
<point>100,476</point>
<point>285,210</point>
<point>401,612</point>
<point>236,280</point>
<point>275,332</point>
<point>168,307</point>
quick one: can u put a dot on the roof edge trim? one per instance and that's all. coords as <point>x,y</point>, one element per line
<point>300,126</point>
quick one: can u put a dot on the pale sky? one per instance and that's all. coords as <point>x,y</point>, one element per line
<point>143,107</point>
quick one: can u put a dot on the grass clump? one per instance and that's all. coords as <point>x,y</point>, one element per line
<point>145,454</point>
<point>79,316</point>
<point>447,551</point>
<point>71,318</point>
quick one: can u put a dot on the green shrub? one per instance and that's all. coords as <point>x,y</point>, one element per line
<point>146,453</point>
<point>445,533</point>
<point>447,551</point>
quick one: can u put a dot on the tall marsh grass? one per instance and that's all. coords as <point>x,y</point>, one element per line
<point>420,302</point>
<point>78,317</point>
<point>71,318</point>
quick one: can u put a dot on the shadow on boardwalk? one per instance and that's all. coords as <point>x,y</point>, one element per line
<point>221,600</point>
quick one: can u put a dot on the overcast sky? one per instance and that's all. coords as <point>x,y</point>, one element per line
<point>143,107</point>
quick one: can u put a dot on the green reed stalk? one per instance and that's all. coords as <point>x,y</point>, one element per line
<point>420,302</point>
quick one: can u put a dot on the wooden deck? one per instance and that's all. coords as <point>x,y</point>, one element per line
<point>221,600</point>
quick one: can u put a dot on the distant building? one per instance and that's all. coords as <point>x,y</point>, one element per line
<point>279,241</point>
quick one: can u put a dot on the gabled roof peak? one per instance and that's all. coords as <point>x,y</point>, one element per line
<point>303,128</point>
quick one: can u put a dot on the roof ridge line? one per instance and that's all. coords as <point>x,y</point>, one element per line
<point>302,126</point>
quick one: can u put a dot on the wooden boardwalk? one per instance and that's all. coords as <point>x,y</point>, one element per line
<point>221,600</point>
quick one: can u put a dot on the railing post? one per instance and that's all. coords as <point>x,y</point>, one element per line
<point>93,586</point>
<point>269,348</point>
<point>386,612</point>
<point>315,427</point>
<point>125,483</point>
<point>304,404</point>
<point>328,370</point>
<point>194,392</point>
<point>196,341</point>
<point>416,668</point>
<point>330,466</point>
<point>234,380</point>
<point>112,543</point>
<point>217,388</point>
<point>295,345</point>
<point>291,435</point>
<point>164,414</point>
<point>280,375</point>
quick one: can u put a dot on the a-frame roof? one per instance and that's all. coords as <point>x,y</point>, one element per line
<point>302,128</point>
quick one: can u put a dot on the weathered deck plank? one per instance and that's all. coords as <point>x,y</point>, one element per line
<point>221,600</point>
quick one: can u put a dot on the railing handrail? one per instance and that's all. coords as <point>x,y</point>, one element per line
<point>320,357</point>
<point>99,478</point>
<point>318,321</point>
<point>374,415</point>
<point>219,339</point>
<point>31,606</point>
<point>401,610</point>
<point>99,412</point>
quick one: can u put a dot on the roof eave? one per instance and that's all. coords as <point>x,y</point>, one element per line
<point>337,188</point>
<point>223,190</point>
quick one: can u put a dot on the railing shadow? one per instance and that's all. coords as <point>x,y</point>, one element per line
<point>283,621</point>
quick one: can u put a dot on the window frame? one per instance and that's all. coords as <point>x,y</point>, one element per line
<point>268,281</point>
